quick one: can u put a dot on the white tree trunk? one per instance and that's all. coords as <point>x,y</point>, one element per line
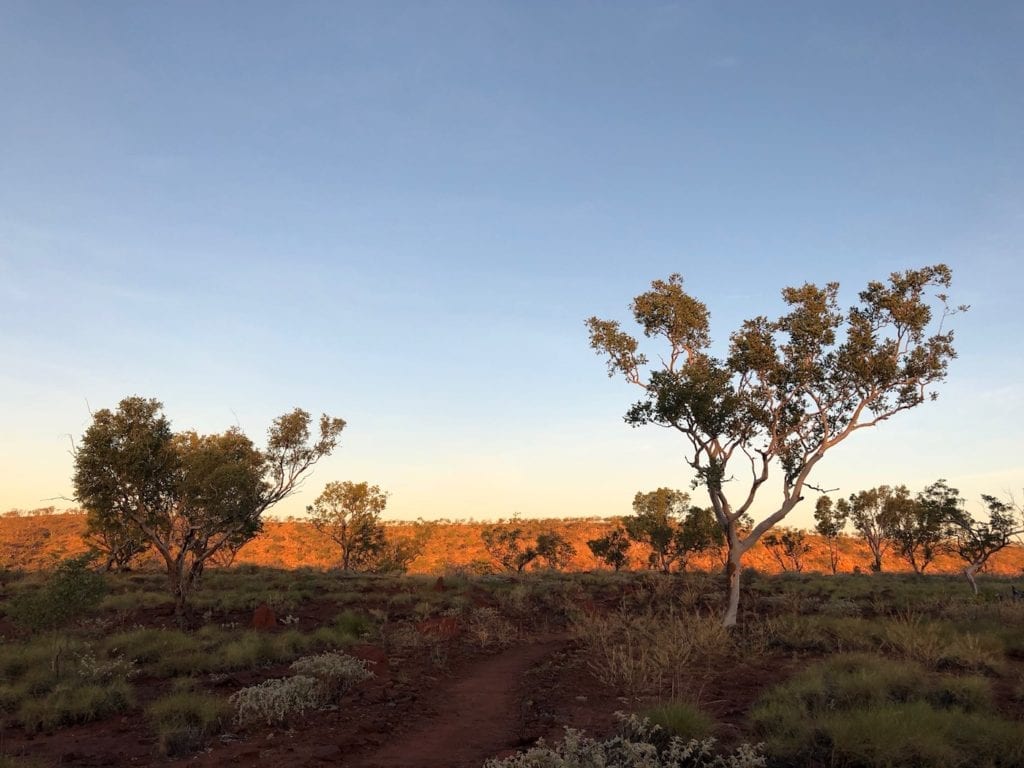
<point>732,572</point>
<point>969,572</point>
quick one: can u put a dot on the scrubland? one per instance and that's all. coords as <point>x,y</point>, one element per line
<point>360,670</point>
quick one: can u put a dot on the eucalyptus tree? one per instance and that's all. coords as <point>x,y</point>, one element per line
<point>612,548</point>
<point>867,513</point>
<point>655,522</point>
<point>830,521</point>
<point>506,545</point>
<point>788,546</point>
<point>190,496</point>
<point>975,541</point>
<point>349,514</point>
<point>788,390</point>
<point>554,550</point>
<point>918,526</point>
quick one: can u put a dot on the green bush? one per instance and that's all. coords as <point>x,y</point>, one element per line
<point>71,591</point>
<point>184,720</point>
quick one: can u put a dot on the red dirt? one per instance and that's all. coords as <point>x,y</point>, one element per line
<point>470,719</point>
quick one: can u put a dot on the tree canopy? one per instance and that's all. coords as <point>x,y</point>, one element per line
<point>788,390</point>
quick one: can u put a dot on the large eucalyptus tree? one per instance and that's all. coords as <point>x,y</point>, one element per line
<point>789,389</point>
<point>189,496</point>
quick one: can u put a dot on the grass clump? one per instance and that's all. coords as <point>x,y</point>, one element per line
<point>184,720</point>
<point>70,703</point>
<point>861,711</point>
<point>652,651</point>
<point>681,719</point>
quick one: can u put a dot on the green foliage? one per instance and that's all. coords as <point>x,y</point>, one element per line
<point>612,548</point>
<point>70,592</point>
<point>867,511</point>
<point>190,496</point>
<point>349,514</point>
<point>976,541</point>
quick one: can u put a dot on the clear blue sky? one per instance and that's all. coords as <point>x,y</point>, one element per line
<point>401,213</point>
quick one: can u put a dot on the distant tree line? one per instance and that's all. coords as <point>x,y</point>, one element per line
<point>671,531</point>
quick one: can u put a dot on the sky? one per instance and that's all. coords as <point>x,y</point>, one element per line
<point>401,213</point>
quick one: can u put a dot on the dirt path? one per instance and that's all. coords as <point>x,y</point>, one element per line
<point>473,718</point>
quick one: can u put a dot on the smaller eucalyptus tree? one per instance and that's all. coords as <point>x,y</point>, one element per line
<point>349,514</point>
<point>866,511</point>
<point>977,541</point>
<point>612,548</point>
<point>788,546</point>
<point>829,522</point>
<point>918,526</point>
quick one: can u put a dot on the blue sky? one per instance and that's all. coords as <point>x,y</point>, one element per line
<point>401,213</point>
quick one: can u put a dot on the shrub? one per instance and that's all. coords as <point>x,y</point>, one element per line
<point>489,629</point>
<point>636,748</point>
<point>71,591</point>
<point>276,701</point>
<point>336,672</point>
<point>185,719</point>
